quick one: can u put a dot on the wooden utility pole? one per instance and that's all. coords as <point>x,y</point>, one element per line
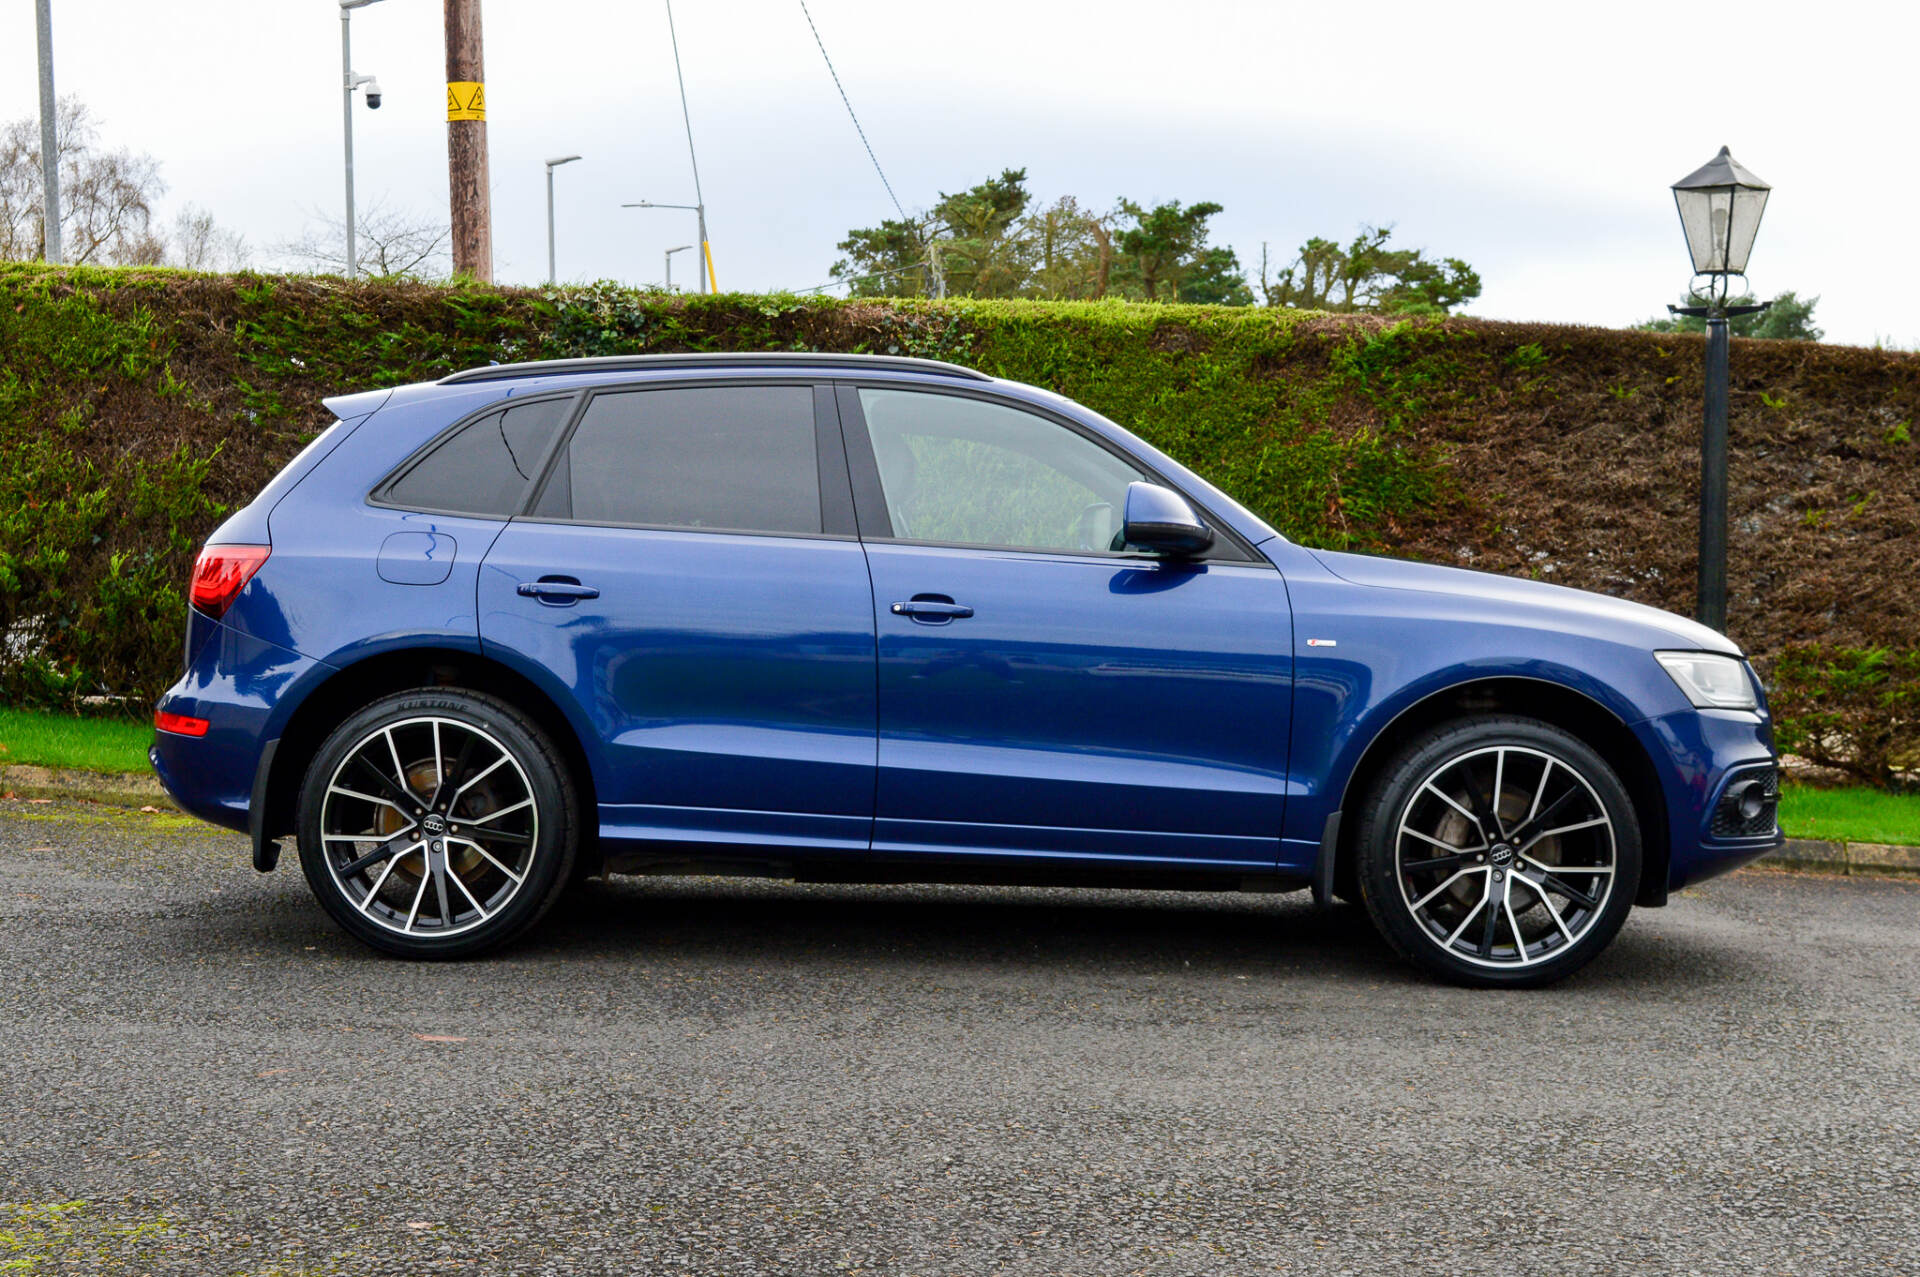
<point>467,143</point>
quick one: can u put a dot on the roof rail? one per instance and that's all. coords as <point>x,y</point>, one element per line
<point>742,359</point>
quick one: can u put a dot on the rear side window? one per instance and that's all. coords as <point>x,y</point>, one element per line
<point>720,458</point>
<point>484,467</point>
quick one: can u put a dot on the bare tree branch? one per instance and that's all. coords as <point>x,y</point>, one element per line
<point>107,202</point>
<point>197,242</point>
<point>107,197</point>
<point>391,243</point>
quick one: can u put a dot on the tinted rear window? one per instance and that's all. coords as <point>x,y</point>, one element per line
<point>725,458</point>
<point>485,467</point>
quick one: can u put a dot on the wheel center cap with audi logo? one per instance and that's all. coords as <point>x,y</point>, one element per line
<point>434,823</point>
<point>1501,854</point>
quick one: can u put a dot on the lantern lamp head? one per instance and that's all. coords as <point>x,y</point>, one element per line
<point>1720,205</point>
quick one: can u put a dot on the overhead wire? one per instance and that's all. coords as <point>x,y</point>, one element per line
<point>850,113</point>
<point>854,279</point>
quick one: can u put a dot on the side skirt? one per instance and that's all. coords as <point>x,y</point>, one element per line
<point>937,870</point>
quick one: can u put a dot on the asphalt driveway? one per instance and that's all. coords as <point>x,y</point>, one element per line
<point>719,1076</point>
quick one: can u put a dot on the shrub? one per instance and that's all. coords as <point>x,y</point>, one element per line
<point>1854,709</point>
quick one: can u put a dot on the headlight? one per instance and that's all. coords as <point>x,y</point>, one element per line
<point>1710,681</point>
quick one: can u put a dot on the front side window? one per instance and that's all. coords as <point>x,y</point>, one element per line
<point>718,458</point>
<point>484,467</point>
<point>967,472</point>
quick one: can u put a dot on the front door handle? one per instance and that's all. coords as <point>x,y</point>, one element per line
<point>932,610</point>
<point>557,590</point>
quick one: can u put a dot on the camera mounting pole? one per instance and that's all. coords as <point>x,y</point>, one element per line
<point>348,83</point>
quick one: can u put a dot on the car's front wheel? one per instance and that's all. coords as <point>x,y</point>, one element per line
<point>437,823</point>
<point>1499,851</point>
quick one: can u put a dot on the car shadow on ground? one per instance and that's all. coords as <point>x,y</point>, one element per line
<point>965,924</point>
<point>722,921</point>
<point>740,921</point>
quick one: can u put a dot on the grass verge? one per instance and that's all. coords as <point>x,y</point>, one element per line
<point>1853,814</point>
<point>58,740</point>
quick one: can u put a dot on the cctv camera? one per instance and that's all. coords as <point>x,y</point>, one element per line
<point>373,95</point>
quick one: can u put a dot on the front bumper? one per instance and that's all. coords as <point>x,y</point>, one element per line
<point>1699,752</point>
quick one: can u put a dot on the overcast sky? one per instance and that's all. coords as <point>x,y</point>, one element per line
<point>1537,141</point>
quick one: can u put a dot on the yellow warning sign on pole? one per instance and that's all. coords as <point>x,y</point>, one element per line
<point>466,100</point>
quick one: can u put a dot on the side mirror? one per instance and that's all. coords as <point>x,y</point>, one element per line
<point>1160,519</point>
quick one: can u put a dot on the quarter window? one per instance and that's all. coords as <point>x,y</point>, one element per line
<point>725,458</point>
<point>485,466</point>
<point>967,472</point>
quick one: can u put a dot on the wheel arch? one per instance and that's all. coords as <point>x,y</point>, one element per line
<point>351,688</point>
<point>1553,703</point>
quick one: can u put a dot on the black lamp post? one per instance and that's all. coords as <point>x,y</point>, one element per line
<point>1720,205</point>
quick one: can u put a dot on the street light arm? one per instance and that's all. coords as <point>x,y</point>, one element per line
<point>706,253</point>
<point>1706,312</point>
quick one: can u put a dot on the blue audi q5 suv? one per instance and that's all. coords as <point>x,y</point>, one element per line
<point>868,619</point>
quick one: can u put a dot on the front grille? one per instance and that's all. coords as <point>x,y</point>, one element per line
<point>1747,788</point>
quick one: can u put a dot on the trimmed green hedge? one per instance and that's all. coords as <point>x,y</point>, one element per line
<point>137,407</point>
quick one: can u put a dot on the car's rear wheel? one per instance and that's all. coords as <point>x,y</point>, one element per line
<point>1499,851</point>
<point>437,824</point>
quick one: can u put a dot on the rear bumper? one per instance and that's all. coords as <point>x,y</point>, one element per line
<point>208,778</point>
<point>239,684</point>
<point>1701,750</point>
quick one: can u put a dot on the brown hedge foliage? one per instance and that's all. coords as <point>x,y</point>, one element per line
<point>1588,473</point>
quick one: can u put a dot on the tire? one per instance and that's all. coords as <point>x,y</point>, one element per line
<point>1557,856</point>
<point>438,824</point>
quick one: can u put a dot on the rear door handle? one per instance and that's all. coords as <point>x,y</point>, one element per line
<point>934,610</point>
<point>557,590</point>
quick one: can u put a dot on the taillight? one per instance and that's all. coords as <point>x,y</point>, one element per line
<point>179,724</point>
<point>221,572</point>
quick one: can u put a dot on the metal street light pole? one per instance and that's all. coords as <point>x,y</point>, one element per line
<point>1711,592</point>
<point>1720,206</point>
<point>552,165</point>
<point>49,140</point>
<point>670,252</point>
<point>700,212</point>
<point>348,83</point>
<point>707,282</point>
